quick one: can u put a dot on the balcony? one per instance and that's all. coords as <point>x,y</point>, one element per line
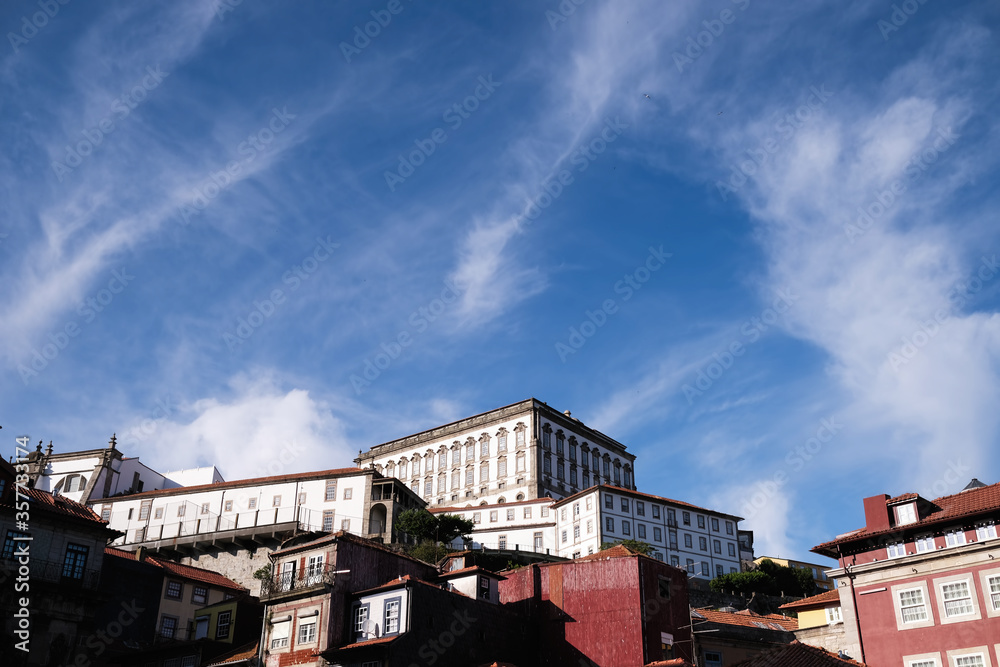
<point>288,584</point>
<point>55,572</point>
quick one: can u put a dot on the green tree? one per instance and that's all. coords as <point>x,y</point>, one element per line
<point>424,526</point>
<point>428,552</point>
<point>632,545</point>
<point>768,579</point>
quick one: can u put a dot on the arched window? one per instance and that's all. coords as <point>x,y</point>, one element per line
<point>560,443</point>
<point>519,497</point>
<point>618,472</point>
<point>501,500</point>
<point>546,437</point>
<point>456,453</point>
<point>484,445</point>
<point>502,441</point>
<point>71,484</point>
<point>519,435</point>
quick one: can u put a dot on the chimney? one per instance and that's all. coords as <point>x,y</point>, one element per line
<point>140,554</point>
<point>877,513</point>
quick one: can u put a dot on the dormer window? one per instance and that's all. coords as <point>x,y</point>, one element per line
<point>906,514</point>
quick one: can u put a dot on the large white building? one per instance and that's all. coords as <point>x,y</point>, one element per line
<point>522,451</point>
<point>705,542</point>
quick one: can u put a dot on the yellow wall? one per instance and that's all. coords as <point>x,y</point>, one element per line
<point>812,618</point>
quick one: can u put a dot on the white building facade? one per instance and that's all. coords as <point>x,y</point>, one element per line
<point>529,525</point>
<point>522,451</point>
<point>702,541</point>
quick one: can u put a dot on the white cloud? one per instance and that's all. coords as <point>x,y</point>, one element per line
<point>260,430</point>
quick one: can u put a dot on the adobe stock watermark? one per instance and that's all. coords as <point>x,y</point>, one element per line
<point>419,320</point>
<point>630,283</point>
<point>59,340</point>
<point>553,185</point>
<point>703,40</point>
<point>915,167</point>
<point>796,460</point>
<point>454,116</point>
<point>960,294</point>
<point>255,144</point>
<point>100,640</point>
<point>121,108</point>
<point>786,127</point>
<point>566,9</point>
<point>752,329</point>
<point>30,27</point>
<point>149,425</point>
<point>223,7</point>
<point>900,14</point>
<point>432,650</point>
<point>264,309</point>
<point>365,33</point>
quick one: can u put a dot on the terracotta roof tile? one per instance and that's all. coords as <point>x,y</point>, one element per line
<point>367,642</point>
<point>797,654</point>
<point>963,505</point>
<point>45,501</point>
<point>899,499</point>
<point>475,569</point>
<point>747,619</point>
<point>821,600</point>
<point>245,652</point>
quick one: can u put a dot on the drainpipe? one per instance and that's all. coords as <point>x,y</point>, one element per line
<point>854,599</point>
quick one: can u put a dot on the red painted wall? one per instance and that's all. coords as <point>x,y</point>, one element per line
<point>591,612</point>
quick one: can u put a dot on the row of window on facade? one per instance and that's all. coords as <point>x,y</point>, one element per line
<point>247,503</point>
<point>306,625</point>
<point>954,537</point>
<point>591,460</point>
<point>640,510</point>
<point>957,600</point>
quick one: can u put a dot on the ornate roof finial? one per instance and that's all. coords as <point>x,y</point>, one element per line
<point>39,447</point>
<point>48,450</point>
<point>113,441</point>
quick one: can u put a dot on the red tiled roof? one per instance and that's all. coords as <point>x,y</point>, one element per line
<point>797,654</point>
<point>245,652</point>
<point>676,662</point>
<point>963,505</point>
<point>255,481</point>
<point>640,494</point>
<point>178,570</point>
<point>617,551</point>
<point>821,600</point>
<point>45,501</point>
<point>746,619</point>
<point>899,499</point>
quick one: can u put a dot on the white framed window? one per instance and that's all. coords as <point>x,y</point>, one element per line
<point>476,517</point>
<point>345,525</point>
<point>912,605</point>
<point>970,660</point>
<point>279,634</point>
<point>493,516</point>
<point>470,476</point>
<point>360,619</point>
<point>924,543</point>
<point>957,599</point>
<point>520,462</point>
<point>307,631</point>
<point>955,537</point>
<point>510,514</point>
<point>391,624</point>
<point>923,662</point>
<point>986,532</point>
<point>993,590</point>
<point>906,514</point>
<point>834,615</point>
<point>331,489</point>
<point>502,542</point>
<point>527,512</point>
<point>456,455</point>
<point>896,550</point>
<point>348,494</point>
<point>484,446</point>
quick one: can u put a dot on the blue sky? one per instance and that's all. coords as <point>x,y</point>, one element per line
<point>756,242</point>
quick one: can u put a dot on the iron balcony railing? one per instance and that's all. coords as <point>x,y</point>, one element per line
<point>288,582</point>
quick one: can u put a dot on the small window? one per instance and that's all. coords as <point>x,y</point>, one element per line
<point>564,537</point>
<point>994,592</point>
<point>973,660</point>
<point>729,528</point>
<point>715,525</point>
<point>686,518</point>
<point>476,517</point>
<point>510,515</point>
<point>527,512</point>
<point>609,501</point>
<point>348,494</point>
<point>75,561</point>
<point>954,538</point>
<point>328,521</point>
<point>345,525</point>
<point>158,514</point>
<point>229,505</point>
<point>494,516</point>
<point>204,508</point>
<point>199,595</point>
<point>701,521</point>
<point>688,542</point>
<point>545,510</point>
<point>276,501</point>
<point>626,528</point>
<point>624,504</point>
<point>222,625</point>
<point>331,490</point>
<point>391,624</point>
<point>279,634</point>
<point>307,630</point>
<point>912,607</point>
<point>957,599</point>
<point>704,569</point>
<point>657,534</point>
<point>502,542</point>
<point>174,590</point>
<point>732,550</point>
<point>834,615</point>
<point>609,524</point>
<point>640,508</point>
<point>896,550</point>
<point>302,498</point>
<point>717,546</point>
<point>703,543</point>
<point>182,510</point>
<point>484,588</point>
<point>986,532</point>
<point>906,514</point>
<point>641,528</point>
<point>168,626</point>
<point>718,571</point>
<point>663,587</point>
<point>576,533</point>
<point>252,503</point>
